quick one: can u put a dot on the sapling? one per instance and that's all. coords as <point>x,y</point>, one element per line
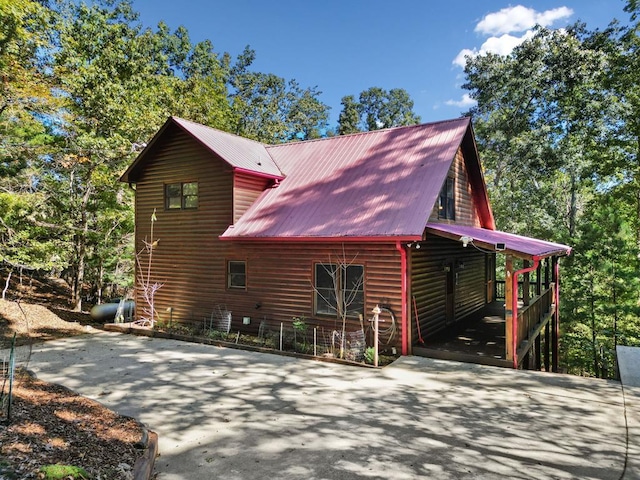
<point>345,295</point>
<point>147,287</point>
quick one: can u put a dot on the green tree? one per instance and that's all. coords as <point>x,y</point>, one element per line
<point>349,119</point>
<point>269,108</point>
<point>376,108</point>
<point>383,109</point>
<point>601,290</point>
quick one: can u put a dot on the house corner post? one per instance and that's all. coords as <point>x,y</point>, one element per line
<point>508,312</point>
<point>404,298</point>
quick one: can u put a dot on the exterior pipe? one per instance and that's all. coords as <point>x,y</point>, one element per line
<point>404,322</point>
<point>514,307</point>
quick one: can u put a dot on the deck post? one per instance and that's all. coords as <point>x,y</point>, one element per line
<point>555,327</point>
<point>538,350</point>
<point>539,280</point>
<point>526,300</point>
<point>508,312</point>
<point>547,347</point>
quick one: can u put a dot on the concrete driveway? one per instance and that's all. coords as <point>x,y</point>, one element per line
<point>226,413</point>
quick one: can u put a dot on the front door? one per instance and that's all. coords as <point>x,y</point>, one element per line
<point>450,294</point>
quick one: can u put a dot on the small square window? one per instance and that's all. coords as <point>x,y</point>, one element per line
<point>237,274</point>
<point>181,196</point>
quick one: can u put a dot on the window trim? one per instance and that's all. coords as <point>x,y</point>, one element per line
<point>183,197</point>
<point>230,286</point>
<point>343,274</point>
<point>446,202</point>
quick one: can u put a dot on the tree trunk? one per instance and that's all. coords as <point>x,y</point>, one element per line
<point>6,285</point>
<point>573,209</point>
<point>81,251</point>
<point>594,349</point>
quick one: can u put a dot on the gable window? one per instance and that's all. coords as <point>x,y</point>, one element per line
<point>237,274</point>
<point>338,289</point>
<point>446,201</point>
<point>181,196</point>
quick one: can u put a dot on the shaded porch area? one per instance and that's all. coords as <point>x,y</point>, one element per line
<point>485,336</point>
<point>517,325</point>
<point>478,338</point>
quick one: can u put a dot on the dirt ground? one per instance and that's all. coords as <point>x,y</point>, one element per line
<point>50,424</point>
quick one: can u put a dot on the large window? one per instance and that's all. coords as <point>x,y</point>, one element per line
<point>181,196</point>
<point>446,201</point>
<point>237,274</point>
<point>338,289</point>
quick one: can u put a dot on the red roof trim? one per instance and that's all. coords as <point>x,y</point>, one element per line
<point>517,245</point>
<point>258,174</point>
<point>406,238</point>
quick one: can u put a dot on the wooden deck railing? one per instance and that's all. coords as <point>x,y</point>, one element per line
<point>499,291</point>
<point>532,318</point>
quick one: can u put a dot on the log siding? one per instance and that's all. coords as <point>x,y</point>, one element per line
<point>190,261</point>
<point>465,209</point>
<point>428,283</point>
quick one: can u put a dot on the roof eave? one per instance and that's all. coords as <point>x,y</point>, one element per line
<point>312,239</point>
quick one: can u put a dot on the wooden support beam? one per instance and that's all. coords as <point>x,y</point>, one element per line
<point>555,327</point>
<point>525,284</point>
<point>538,350</point>
<point>547,347</point>
<point>547,269</point>
<point>539,279</point>
<point>508,312</point>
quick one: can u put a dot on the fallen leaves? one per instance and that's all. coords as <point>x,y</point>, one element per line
<point>53,425</point>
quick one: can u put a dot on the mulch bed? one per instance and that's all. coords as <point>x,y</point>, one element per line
<point>50,424</point>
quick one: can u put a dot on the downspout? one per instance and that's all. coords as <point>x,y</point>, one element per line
<point>404,322</point>
<point>514,306</point>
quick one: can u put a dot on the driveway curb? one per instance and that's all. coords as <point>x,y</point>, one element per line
<point>143,468</point>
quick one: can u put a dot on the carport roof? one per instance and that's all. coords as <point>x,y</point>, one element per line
<point>517,245</point>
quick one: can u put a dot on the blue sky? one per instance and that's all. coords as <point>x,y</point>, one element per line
<point>346,46</point>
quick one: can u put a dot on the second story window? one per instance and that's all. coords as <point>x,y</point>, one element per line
<point>446,201</point>
<point>181,196</point>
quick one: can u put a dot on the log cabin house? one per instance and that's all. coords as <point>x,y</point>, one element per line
<point>398,217</point>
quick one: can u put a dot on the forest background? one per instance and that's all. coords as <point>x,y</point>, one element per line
<point>84,86</point>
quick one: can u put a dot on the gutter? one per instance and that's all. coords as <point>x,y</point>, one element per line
<point>404,322</point>
<point>514,307</point>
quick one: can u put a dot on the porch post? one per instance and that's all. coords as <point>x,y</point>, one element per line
<point>555,327</point>
<point>538,350</point>
<point>539,280</point>
<point>547,267</point>
<point>525,284</point>
<point>547,347</point>
<point>508,312</point>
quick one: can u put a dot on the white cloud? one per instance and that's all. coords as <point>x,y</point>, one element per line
<point>461,60</point>
<point>500,25</point>
<point>465,102</point>
<point>519,19</point>
<point>502,45</point>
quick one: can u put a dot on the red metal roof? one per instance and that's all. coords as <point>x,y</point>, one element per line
<point>488,239</point>
<point>378,184</point>
<point>239,152</point>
